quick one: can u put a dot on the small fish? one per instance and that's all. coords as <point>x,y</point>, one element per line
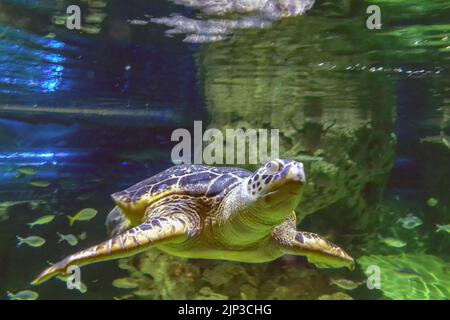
<point>70,238</point>
<point>84,197</point>
<point>392,242</point>
<point>306,158</point>
<point>42,220</point>
<point>34,204</point>
<point>407,273</point>
<point>97,180</point>
<point>27,170</point>
<point>23,295</point>
<point>445,142</point>
<point>125,283</point>
<point>138,22</point>
<point>410,221</point>
<point>40,183</point>
<point>91,29</point>
<point>335,296</point>
<point>82,236</point>
<point>445,228</point>
<point>345,283</point>
<point>67,182</point>
<point>124,297</point>
<point>9,204</point>
<point>432,202</point>
<point>33,241</point>
<point>83,215</point>
<point>19,175</point>
<point>439,139</point>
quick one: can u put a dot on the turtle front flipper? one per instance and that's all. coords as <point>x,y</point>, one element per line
<point>319,251</point>
<point>155,231</point>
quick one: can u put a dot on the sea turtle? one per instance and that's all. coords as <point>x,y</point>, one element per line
<point>197,211</point>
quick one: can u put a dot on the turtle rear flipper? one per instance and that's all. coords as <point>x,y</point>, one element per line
<point>155,231</point>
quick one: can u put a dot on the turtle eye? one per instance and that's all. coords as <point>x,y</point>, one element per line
<point>273,167</point>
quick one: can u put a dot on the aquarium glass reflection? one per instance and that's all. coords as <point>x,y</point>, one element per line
<point>87,112</point>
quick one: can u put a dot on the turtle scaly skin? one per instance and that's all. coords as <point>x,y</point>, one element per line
<point>211,213</point>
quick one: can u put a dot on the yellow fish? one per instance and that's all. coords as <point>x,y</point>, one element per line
<point>40,183</point>
<point>83,215</point>
<point>42,220</point>
<point>125,283</point>
<point>23,295</point>
<point>70,238</point>
<point>33,241</point>
<point>27,170</point>
<point>444,228</point>
<point>82,236</point>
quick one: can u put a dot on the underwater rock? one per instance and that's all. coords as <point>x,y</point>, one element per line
<point>427,275</point>
<point>161,276</point>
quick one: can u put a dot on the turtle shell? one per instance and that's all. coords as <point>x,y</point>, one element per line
<point>194,180</point>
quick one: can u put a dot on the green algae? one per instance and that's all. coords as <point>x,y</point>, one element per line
<point>432,280</point>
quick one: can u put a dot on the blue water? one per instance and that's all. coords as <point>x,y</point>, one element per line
<point>93,111</point>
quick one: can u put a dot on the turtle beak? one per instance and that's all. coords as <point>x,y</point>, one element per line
<point>296,173</point>
<point>292,179</point>
<point>288,190</point>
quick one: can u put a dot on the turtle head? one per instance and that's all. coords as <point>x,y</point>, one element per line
<point>277,186</point>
